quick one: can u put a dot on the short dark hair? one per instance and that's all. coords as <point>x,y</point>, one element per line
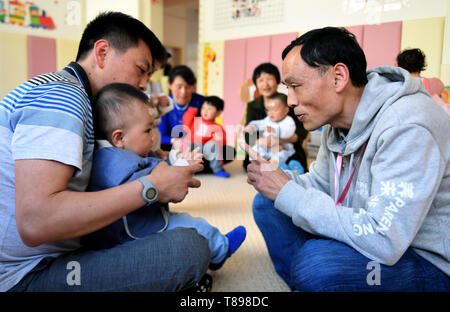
<point>109,107</point>
<point>279,96</point>
<point>122,32</point>
<point>215,101</point>
<point>331,45</point>
<point>413,60</point>
<point>184,72</point>
<point>267,68</point>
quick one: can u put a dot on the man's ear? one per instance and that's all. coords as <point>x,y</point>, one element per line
<point>101,50</point>
<point>117,138</point>
<point>341,77</point>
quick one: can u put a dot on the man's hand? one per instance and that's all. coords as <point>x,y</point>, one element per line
<point>268,179</point>
<point>164,100</point>
<point>173,183</point>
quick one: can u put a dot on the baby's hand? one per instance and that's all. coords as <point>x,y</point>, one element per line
<point>269,129</point>
<point>192,155</point>
<point>177,143</point>
<point>154,100</point>
<point>250,129</point>
<point>162,154</point>
<point>262,142</point>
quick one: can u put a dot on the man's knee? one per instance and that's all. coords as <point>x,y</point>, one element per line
<point>196,249</point>
<point>314,267</point>
<point>261,204</point>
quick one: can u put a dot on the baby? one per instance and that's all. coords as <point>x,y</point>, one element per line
<point>277,125</point>
<point>206,134</point>
<point>123,129</point>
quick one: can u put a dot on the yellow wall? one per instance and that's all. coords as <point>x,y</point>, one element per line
<point>151,14</point>
<point>13,61</point>
<point>445,67</point>
<point>66,51</point>
<point>427,35</point>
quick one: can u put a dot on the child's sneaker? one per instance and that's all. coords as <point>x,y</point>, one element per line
<point>204,285</point>
<point>222,174</point>
<point>235,238</point>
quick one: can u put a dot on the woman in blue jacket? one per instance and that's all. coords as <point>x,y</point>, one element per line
<point>182,83</point>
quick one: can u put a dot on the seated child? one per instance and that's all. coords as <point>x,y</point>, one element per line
<point>277,125</point>
<point>123,129</point>
<point>207,134</point>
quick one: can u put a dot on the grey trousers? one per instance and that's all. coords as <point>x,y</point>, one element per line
<point>174,260</point>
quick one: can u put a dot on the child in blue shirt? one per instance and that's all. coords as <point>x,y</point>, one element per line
<point>123,130</point>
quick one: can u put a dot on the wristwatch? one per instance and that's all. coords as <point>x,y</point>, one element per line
<point>150,192</point>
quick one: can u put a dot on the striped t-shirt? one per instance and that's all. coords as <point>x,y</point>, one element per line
<point>48,117</point>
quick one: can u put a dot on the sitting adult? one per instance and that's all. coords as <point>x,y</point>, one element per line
<point>370,214</point>
<point>182,83</point>
<point>47,144</point>
<point>266,78</point>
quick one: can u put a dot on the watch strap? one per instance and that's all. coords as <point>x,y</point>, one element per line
<point>148,185</point>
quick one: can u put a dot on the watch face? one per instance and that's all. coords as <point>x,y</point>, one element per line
<point>151,193</point>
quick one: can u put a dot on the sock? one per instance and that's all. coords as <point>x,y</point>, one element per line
<point>235,238</point>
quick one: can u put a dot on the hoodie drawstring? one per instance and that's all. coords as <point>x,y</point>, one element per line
<point>338,174</point>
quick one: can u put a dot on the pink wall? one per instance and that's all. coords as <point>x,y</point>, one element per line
<point>234,76</point>
<point>277,45</point>
<point>358,31</point>
<point>41,55</point>
<point>381,44</point>
<point>257,52</point>
<point>241,58</point>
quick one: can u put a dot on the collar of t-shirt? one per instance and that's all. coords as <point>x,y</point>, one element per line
<point>78,72</point>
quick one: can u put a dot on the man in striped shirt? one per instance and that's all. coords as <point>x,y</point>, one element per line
<point>46,148</point>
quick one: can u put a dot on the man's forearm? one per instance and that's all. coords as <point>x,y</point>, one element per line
<point>67,214</point>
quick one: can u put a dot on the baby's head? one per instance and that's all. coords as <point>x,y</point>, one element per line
<point>122,116</point>
<point>277,107</point>
<point>212,107</point>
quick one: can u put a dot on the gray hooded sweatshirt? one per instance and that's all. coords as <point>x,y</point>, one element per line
<point>400,194</point>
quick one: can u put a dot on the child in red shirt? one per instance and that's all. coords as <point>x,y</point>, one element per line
<point>205,133</point>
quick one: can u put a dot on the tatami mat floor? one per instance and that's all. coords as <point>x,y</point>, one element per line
<point>227,203</point>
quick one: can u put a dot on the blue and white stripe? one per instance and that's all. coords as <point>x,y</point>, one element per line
<point>48,93</point>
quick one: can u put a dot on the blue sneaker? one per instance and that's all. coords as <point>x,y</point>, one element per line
<point>235,239</point>
<point>222,174</point>
<point>295,165</point>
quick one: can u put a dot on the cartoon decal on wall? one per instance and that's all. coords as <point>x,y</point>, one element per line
<point>209,55</point>
<point>25,14</point>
